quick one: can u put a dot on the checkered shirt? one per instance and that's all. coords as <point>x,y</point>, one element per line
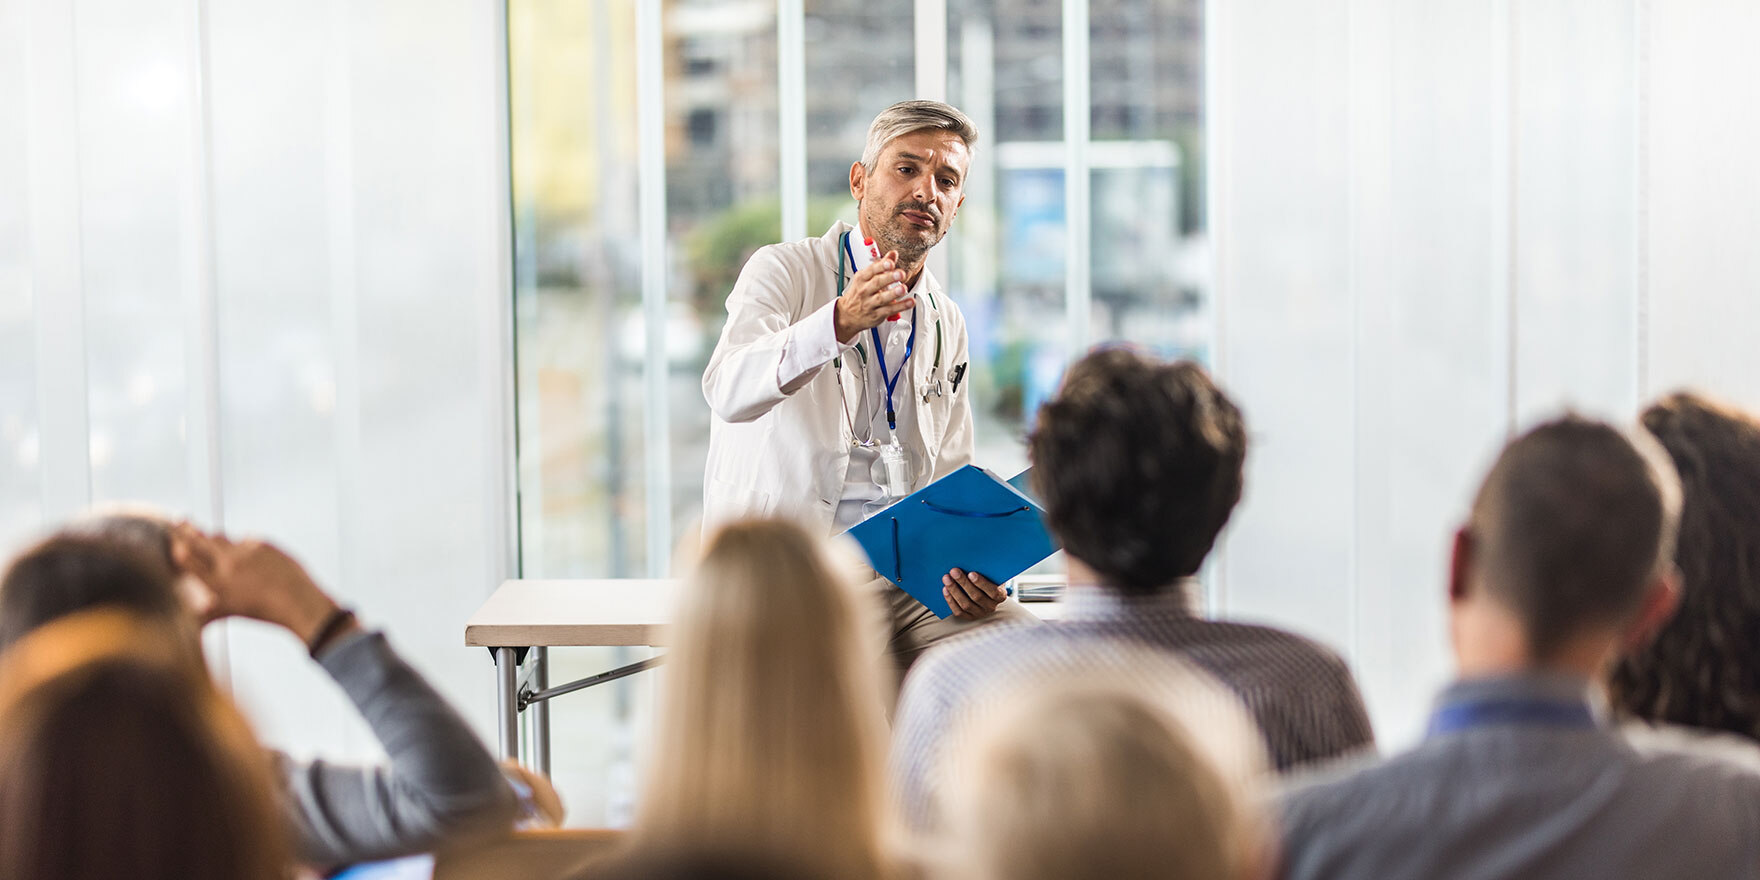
<point>1301,694</point>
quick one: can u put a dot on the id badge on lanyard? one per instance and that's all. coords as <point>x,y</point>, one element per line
<point>891,470</point>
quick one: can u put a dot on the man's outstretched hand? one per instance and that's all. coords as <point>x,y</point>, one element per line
<point>875,294</point>
<point>972,595</point>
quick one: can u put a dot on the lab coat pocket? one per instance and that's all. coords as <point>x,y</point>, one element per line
<point>730,500</point>
<point>933,410</point>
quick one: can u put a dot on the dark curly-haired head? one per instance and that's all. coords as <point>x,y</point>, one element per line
<point>1702,670</point>
<point>1139,463</point>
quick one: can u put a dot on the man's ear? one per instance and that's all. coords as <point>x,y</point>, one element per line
<point>956,206</point>
<point>1460,564</point>
<point>858,180</point>
<point>1654,611</point>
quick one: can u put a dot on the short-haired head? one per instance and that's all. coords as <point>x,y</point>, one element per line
<point>1701,669</point>
<point>1140,463</point>
<point>1571,528</point>
<point>906,117</point>
<point>75,571</point>
<point>130,525</point>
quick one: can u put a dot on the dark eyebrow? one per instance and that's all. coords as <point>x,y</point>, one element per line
<point>946,168</point>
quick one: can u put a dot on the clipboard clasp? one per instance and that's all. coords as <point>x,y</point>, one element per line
<point>976,514</point>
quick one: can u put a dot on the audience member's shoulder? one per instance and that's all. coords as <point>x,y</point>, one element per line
<point>1691,750</point>
<point>976,646</point>
<point>1292,645</point>
<point>1262,633</point>
<point>1374,791</point>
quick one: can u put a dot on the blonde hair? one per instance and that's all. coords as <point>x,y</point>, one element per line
<point>111,734</point>
<point>770,728</point>
<point>1145,769</point>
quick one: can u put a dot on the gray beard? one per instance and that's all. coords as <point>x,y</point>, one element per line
<point>909,252</point>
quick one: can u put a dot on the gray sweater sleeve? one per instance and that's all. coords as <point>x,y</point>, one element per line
<point>441,784</point>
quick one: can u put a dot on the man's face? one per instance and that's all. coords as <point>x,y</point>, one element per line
<point>914,191</point>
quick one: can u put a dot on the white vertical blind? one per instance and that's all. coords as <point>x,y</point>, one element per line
<point>20,453</point>
<point>1704,196</point>
<point>1480,215</point>
<point>52,254</point>
<point>250,272</point>
<point>1284,263</point>
<point>1576,164</point>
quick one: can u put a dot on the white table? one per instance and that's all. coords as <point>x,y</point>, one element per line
<point>524,618</point>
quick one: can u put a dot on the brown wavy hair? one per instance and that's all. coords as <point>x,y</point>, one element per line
<point>119,759</point>
<point>1701,670</point>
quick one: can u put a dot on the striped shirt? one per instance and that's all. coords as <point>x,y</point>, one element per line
<point>1301,694</point>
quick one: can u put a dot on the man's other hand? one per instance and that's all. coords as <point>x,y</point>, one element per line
<point>972,595</point>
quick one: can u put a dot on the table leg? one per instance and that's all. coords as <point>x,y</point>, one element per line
<point>541,712</point>
<point>507,700</point>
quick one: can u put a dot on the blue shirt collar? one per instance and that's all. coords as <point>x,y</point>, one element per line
<point>1539,698</point>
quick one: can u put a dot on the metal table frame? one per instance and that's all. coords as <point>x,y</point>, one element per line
<point>523,619</point>
<point>523,682</point>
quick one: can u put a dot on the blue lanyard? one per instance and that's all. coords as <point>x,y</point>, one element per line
<point>910,345</point>
<point>1541,713</point>
<point>891,382</point>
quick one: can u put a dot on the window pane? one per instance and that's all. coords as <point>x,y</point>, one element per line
<point>579,354</point>
<point>1150,253</point>
<point>723,202</point>
<point>859,61</point>
<point>1005,69</point>
<point>578,314</point>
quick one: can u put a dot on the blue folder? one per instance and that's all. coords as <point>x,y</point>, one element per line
<point>970,519</point>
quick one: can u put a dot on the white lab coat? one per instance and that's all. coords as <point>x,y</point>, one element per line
<point>784,452</point>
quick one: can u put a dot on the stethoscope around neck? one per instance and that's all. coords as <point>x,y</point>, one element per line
<point>844,252</point>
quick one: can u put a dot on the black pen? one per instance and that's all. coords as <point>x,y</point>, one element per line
<point>959,373</point>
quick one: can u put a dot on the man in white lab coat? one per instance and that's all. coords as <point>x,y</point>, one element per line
<point>839,381</point>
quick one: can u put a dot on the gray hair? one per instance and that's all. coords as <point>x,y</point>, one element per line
<point>908,116</point>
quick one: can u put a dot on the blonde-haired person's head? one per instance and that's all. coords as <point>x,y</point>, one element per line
<point>119,759</point>
<point>1143,770</point>
<point>770,730</point>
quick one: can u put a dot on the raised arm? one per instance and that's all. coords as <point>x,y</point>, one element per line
<point>746,376</point>
<point>766,353</point>
<point>440,786</point>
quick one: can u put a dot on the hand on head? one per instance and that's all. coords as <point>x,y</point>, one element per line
<point>251,578</point>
